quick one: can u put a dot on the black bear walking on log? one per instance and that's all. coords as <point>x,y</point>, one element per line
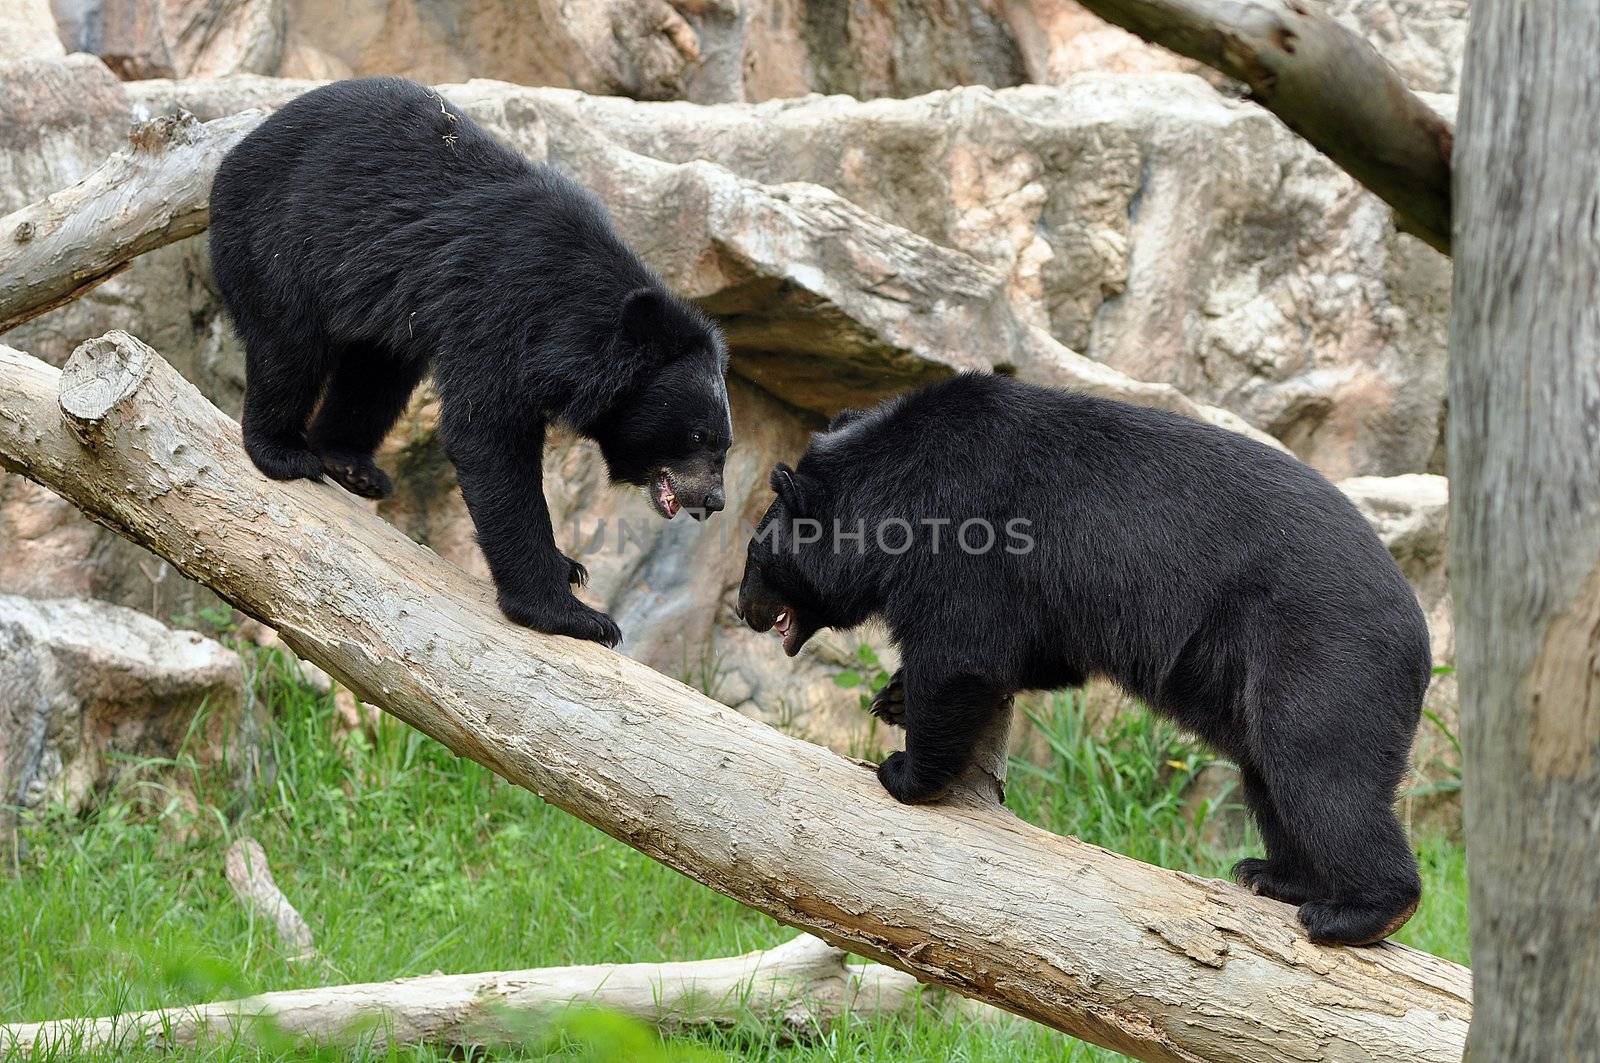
<point>1015,537</point>
<point>370,230</point>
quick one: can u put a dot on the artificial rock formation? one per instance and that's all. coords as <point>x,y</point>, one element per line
<point>87,689</point>
<point>853,250</point>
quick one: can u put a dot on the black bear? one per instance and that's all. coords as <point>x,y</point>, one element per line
<point>1014,537</point>
<point>370,230</point>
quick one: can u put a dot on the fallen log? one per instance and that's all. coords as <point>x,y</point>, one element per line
<point>1156,964</point>
<point>1325,82</point>
<point>805,984</point>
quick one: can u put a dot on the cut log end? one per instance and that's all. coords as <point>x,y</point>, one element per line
<point>102,373</point>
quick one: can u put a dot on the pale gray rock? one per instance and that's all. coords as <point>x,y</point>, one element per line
<point>88,689</point>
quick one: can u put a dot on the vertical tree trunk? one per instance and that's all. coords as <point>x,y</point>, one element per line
<point>1525,499</point>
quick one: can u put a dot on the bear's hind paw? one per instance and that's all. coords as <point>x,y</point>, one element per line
<point>1267,879</point>
<point>359,476</point>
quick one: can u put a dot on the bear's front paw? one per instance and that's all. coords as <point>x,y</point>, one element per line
<point>577,574</point>
<point>569,617</point>
<point>896,775</point>
<point>889,704</point>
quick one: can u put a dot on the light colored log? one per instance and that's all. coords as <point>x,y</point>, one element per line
<point>247,871</point>
<point>1152,963</point>
<point>804,984</point>
<point>1325,82</point>
<point>145,197</point>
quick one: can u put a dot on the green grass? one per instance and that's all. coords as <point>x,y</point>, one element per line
<point>406,860</point>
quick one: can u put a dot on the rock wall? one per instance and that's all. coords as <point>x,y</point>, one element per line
<point>707,51</point>
<point>851,250</point>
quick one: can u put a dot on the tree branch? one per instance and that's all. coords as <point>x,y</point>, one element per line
<point>1326,83</point>
<point>804,983</point>
<point>248,873</point>
<point>1156,964</point>
<point>140,199</point>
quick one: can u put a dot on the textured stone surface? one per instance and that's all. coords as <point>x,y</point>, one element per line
<point>703,50</point>
<point>87,687</point>
<point>855,249</point>
<point>1149,223</point>
<point>177,38</point>
<point>27,31</point>
<point>708,51</point>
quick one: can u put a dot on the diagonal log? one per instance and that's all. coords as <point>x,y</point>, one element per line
<point>804,983</point>
<point>1156,964</point>
<point>1326,82</point>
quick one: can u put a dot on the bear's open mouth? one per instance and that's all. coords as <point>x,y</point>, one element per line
<point>789,628</point>
<point>664,495</point>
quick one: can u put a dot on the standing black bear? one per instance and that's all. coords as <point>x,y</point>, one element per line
<point>1014,537</point>
<point>369,230</point>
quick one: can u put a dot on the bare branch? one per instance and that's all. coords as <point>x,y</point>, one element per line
<point>140,199</point>
<point>245,865</point>
<point>1325,82</point>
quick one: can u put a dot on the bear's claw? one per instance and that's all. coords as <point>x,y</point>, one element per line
<point>1267,879</point>
<point>889,704</point>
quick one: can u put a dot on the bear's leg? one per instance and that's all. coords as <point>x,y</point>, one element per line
<point>499,465</point>
<point>1286,874</point>
<point>943,718</point>
<point>367,394</point>
<point>283,378</point>
<point>1342,818</point>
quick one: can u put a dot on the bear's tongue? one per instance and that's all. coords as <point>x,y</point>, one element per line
<point>666,496</point>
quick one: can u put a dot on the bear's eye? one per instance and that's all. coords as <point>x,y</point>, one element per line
<point>697,437</point>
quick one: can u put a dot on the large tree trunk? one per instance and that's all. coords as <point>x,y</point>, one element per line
<point>1156,964</point>
<point>1525,521</point>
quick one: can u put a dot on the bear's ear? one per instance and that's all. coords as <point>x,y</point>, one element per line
<point>646,315</point>
<point>845,418</point>
<point>795,490</point>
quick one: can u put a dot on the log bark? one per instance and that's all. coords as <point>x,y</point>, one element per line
<point>1325,82</point>
<point>143,198</point>
<point>248,873</point>
<point>804,983</point>
<point>1525,521</point>
<point>1152,963</point>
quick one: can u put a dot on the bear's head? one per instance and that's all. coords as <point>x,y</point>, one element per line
<point>669,430</point>
<point>797,578</point>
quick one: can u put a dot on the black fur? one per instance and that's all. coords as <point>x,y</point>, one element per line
<point>1224,583</point>
<point>369,230</point>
